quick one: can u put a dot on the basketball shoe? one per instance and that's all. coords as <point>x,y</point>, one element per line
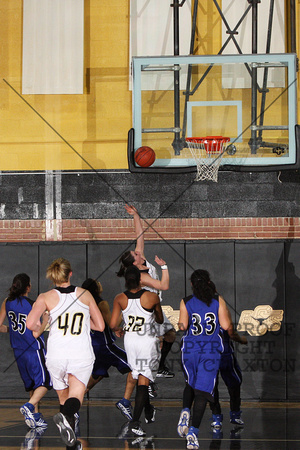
<point>217,421</point>
<point>77,420</point>
<point>32,419</point>
<point>136,429</point>
<point>150,414</point>
<point>66,431</point>
<point>164,372</point>
<point>125,407</point>
<point>192,439</point>
<point>183,424</point>
<point>152,389</point>
<point>235,418</point>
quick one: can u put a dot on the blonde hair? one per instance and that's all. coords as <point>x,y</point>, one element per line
<point>58,271</point>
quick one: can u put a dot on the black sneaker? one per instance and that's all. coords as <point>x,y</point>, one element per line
<point>152,389</point>
<point>165,373</point>
<point>150,414</point>
<point>136,430</point>
<point>66,432</point>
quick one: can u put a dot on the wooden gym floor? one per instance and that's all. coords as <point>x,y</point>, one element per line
<point>268,426</point>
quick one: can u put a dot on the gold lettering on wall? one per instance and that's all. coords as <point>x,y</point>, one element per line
<point>260,320</point>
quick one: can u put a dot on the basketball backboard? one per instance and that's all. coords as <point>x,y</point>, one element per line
<point>251,99</point>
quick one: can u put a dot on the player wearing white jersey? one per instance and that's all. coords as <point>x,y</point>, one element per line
<point>69,334</point>
<point>140,309</point>
<point>150,281</point>
<point>73,311</point>
<point>142,353</point>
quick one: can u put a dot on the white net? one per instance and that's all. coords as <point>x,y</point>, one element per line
<point>207,152</point>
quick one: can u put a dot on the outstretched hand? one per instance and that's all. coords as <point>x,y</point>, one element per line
<point>131,209</point>
<point>159,261</point>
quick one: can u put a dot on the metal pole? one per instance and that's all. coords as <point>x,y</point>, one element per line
<point>266,71</point>
<point>293,47</point>
<point>189,74</point>
<point>177,141</point>
<point>253,140</point>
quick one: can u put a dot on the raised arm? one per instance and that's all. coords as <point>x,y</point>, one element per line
<point>160,285</point>
<point>165,278</point>
<point>138,228</point>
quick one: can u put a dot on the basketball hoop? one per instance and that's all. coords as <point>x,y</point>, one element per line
<point>208,152</point>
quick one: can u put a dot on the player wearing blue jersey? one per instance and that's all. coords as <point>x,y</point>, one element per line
<point>28,347</point>
<point>232,376</point>
<point>201,315</point>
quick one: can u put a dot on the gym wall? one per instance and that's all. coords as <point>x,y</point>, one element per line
<point>245,229</point>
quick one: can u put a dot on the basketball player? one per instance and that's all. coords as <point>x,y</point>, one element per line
<point>107,353</point>
<point>140,309</point>
<point>232,376</point>
<point>28,347</point>
<point>150,281</point>
<point>201,315</point>
<point>70,357</point>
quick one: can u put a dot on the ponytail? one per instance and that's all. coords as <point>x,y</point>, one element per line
<point>203,287</point>
<point>19,286</point>
<point>126,260</point>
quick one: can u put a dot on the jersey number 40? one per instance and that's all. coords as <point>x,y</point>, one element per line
<point>64,322</point>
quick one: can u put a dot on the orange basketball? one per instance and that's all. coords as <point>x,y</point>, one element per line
<point>144,156</point>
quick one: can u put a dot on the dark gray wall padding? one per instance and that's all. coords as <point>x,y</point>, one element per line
<point>246,273</point>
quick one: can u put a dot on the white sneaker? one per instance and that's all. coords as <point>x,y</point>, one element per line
<point>192,441</point>
<point>183,423</point>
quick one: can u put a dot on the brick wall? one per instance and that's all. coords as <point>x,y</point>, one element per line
<point>167,229</point>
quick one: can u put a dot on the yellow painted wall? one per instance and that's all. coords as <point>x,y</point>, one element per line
<point>94,124</point>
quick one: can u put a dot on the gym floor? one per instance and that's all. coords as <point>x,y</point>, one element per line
<point>267,426</point>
